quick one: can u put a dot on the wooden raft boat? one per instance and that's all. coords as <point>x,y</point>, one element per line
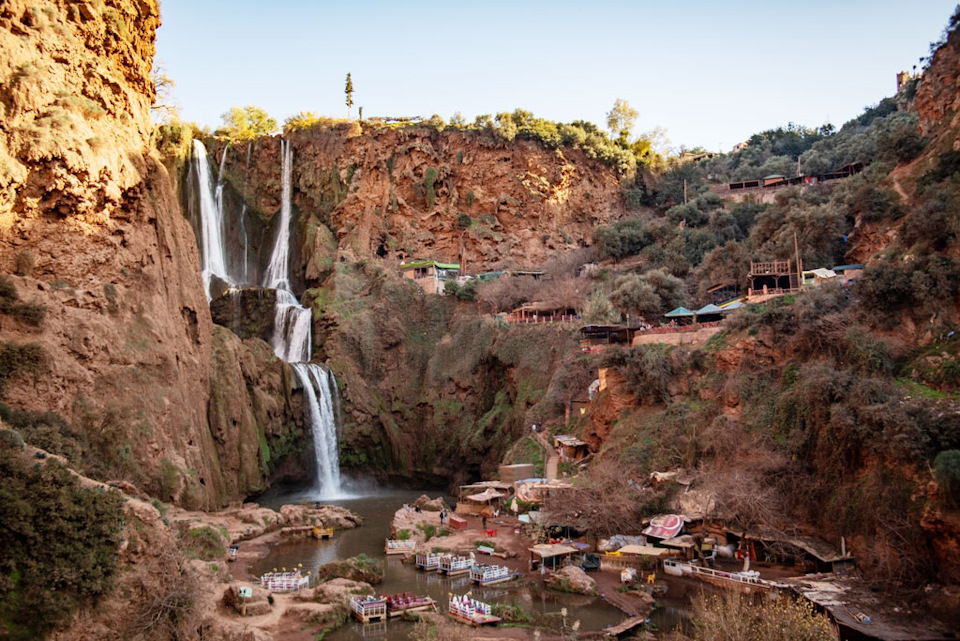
<point>455,565</point>
<point>491,574</point>
<point>399,546</point>
<point>470,611</point>
<point>428,562</point>
<point>397,604</point>
<point>369,608</point>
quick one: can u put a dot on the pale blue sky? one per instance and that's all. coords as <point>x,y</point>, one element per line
<point>710,73</point>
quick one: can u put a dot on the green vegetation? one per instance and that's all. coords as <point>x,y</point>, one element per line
<point>429,531</point>
<point>18,359</point>
<point>348,90</point>
<point>60,541</point>
<point>47,431</point>
<point>242,123</point>
<point>204,543</point>
<point>946,468</point>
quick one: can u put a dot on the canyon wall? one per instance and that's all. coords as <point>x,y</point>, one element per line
<point>91,229</point>
<point>413,191</point>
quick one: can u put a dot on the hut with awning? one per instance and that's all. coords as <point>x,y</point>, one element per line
<point>550,555</point>
<point>483,497</point>
<point>709,314</point>
<point>680,315</point>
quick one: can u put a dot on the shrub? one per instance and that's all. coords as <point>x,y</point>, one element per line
<point>621,239</point>
<point>203,543</point>
<point>60,542</point>
<point>946,469</point>
<point>20,358</point>
<point>48,431</point>
<point>647,370</point>
<point>732,617</point>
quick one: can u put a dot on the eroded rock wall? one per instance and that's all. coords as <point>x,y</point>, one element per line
<point>416,192</point>
<point>91,228</point>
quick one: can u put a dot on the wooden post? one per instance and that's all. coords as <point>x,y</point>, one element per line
<point>684,191</point>
<point>796,249</point>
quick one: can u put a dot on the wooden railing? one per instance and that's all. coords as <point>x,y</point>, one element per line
<point>771,267</point>
<point>735,577</point>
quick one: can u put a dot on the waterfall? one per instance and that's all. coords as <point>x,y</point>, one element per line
<point>291,329</point>
<point>243,216</point>
<point>292,342</point>
<point>322,420</point>
<point>212,250</point>
<point>276,276</point>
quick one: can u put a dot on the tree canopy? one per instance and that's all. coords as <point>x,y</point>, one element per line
<point>621,118</point>
<point>247,122</point>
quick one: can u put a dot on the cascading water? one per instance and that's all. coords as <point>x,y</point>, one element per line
<point>277,270</point>
<point>243,217</point>
<point>212,250</point>
<point>320,406</point>
<point>292,342</point>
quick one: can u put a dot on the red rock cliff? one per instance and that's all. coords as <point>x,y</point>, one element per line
<point>90,227</point>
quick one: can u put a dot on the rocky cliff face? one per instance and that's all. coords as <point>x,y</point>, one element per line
<point>938,96</point>
<point>416,192</point>
<point>90,228</point>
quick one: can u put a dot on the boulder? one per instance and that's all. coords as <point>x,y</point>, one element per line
<point>427,504</point>
<point>336,591</point>
<point>327,515</point>
<point>357,568</point>
<point>572,579</point>
<point>252,606</point>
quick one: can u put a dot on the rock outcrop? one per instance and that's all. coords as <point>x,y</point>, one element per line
<point>938,95</point>
<point>414,191</point>
<point>572,579</point>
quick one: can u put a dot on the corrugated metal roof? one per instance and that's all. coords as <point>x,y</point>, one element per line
<point>430,263</point>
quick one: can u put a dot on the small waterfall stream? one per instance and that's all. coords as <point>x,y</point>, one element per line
<point>212,252</point>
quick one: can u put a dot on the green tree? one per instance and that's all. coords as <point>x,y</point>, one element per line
<point>621,118</point>
<point>648,295</point>
<point>247,122</point>
<point>348,90</point>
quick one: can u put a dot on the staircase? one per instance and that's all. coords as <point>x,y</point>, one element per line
<point>551,466</point>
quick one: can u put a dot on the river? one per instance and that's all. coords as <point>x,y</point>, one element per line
<point>377,507</point>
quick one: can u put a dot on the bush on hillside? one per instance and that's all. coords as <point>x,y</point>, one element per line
<point>946,469</point>
<point>60,541</point>
<point>648,295</point>
<point>48,431</point>
<point>621,239</point>
<point>17,359</point>
<point>646,369</point>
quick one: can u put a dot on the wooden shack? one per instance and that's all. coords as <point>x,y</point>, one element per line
<point>512,473</point>
<point>570,448</point>
<point>550,555</point>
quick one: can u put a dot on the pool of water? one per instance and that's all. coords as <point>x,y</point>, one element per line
<point>377,506</point>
